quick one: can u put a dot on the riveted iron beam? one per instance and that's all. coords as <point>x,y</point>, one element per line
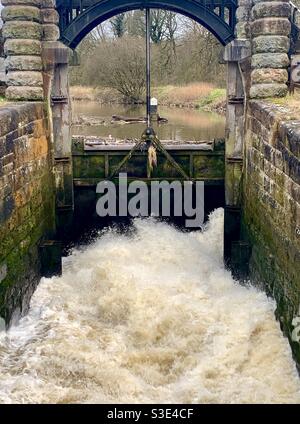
<point>78,18</point>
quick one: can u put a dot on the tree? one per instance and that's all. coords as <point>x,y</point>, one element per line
<point>163,25</point>
<point>136,23</point>
<point>158,28</point>
<point>118,24</point>
<point>183,52</point>
<point>119,64</point>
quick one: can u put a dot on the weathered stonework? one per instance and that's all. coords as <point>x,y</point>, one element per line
<point>243,26</point>
<point>271,44</point>
<point>270,31</point>
<point>24,78</point>
<point>24,93</point>
<point>21,2</point>
<point>24,63</point>
<point>27,24</point>
<point>13,30</point>
<point>271,26</point>
<point>271,207</point>
<point>262,172</point>
<point>269,75</point>
<point>26,203</point>
<point>268,9</point>
<point>21,13</point>
<point>23,47</point>
<point>270,60</point>
<point>23,58</point>
<point>50,32</point>
<point>262,91</point>
<point>49,16</point>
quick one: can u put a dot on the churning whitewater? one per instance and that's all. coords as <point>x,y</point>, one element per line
<point>150,316</point>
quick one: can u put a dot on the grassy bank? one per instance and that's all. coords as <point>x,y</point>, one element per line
<point>3,101</point>
<point>96,94</point>
<point>197,95</point>
<point>203,96</point>
<point>290,102</point>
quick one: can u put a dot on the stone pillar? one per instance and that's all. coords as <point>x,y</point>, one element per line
<point>50,19</point>
<point>22,32</point>
<point>243,17</point>
<point>270,32</point>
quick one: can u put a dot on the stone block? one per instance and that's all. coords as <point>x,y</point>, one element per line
<point>267,9</point>
<point>271,44</point>
<point>25,78</point>
<point>24,93</point>
<point>13,29</point>
<point>271,26</point>
<point>243,14</point>
<point>36,3</point>
<point>22,47</point>
<point>50,32</point>
<point>263,1</point>
<point>270,60</point>
<point>23,63</point>
<point>289,133</point>
<point>243,30</point>
<point>268,75</point>
<point>261,91</point>
<point>48,4</point>
<point>49,16</point>
<point>21,13</point>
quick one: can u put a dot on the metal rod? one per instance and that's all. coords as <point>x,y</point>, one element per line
<point>148,65</point>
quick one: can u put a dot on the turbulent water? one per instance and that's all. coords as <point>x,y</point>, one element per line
<point>151,316</point>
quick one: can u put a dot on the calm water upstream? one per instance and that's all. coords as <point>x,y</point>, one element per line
<point>148,316</point>
<point>184,124</point>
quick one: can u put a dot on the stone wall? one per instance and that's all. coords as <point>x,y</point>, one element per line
<point>271,206</point>
<point>26,202</point>
<point>2,67</point>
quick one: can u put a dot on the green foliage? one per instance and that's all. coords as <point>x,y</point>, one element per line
<point>216,95</point>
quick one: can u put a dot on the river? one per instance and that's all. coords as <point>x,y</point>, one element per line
<point>183,124</point>
<point>148,315</point>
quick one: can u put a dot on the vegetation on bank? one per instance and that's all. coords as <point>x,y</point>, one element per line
<point>202,96</point>
<point>290,102</point>
<point>2,100</point>
<point>183,53</point>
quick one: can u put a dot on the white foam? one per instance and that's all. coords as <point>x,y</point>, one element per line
<point>151,317</point>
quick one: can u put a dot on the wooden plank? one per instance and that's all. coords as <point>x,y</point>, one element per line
<point>92,182</point>
<point>128,147</point>
<point>91,153</point>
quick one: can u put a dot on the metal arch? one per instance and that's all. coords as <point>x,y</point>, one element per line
<point>75,28</point>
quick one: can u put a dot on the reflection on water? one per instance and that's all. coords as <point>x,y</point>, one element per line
<point>183,125</point>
